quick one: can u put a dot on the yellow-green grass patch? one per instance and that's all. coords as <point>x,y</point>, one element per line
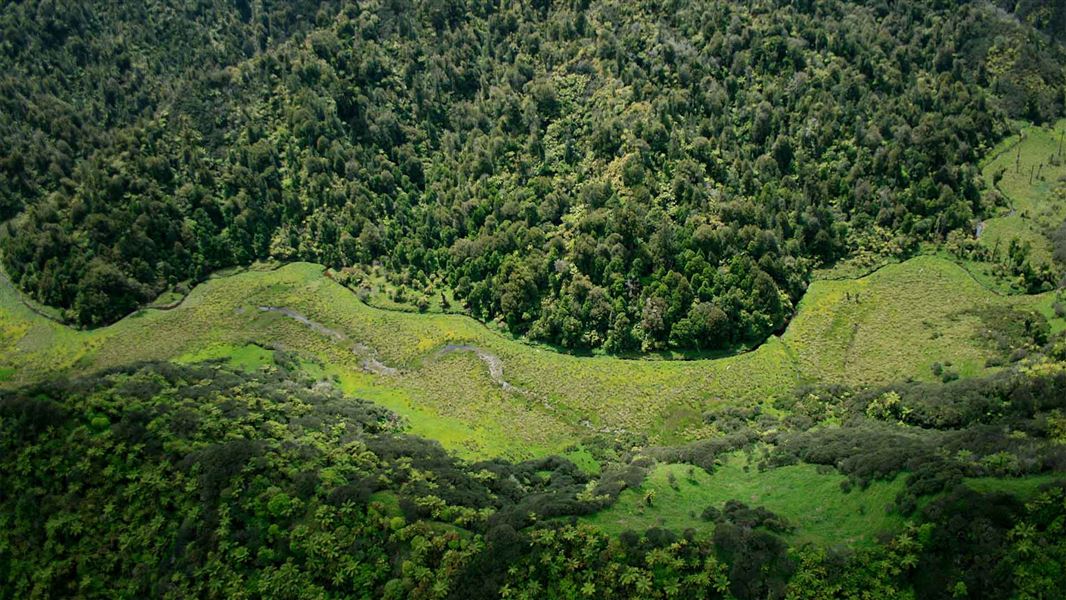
<point>887,326</point>
<point>1029,170</point>
<point>812,501</point>
<point>249,357</point>
<point>896,322</point>
<point>1029,176</point>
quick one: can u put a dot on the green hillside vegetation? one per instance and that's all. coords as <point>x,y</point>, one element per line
<point>811,500</point>
<point>1029,169</point>
<point>249,357</point>
<point>281,487</point>
<point>554,183</point>
<point>1022,242</point>
<point>567,299</point>
<point>862,331</point>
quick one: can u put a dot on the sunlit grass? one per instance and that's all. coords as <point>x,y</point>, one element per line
<point>890,325</point>
<point>813,502</point>
<point>1022,487</point>
<point>1035,186</point>
<point>249,357</point>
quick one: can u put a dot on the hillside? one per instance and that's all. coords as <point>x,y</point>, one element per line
<point>461,299</point>
<point>592,176</point>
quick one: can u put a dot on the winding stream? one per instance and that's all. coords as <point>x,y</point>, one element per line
<point>491,361</point>
<point>370,364</point>
<point>373,365</point>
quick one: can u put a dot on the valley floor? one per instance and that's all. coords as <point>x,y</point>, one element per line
<point>501,397</point>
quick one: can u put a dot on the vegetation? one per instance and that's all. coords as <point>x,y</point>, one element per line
<point>278,487</point>
<point>846,332</point>
<point>159,474</point>
<point>575,299</point>
<point>810,500</point>
<point>1021,240</point>
<point>576,195</point>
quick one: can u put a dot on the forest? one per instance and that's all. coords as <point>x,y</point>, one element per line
<point>462,299</point>
<point>615,175</point>
<point>159,480</point>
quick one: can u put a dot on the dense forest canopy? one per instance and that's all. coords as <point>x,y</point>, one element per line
<point>624,175</point>
<point>608,176</point>
<point>168,481</point>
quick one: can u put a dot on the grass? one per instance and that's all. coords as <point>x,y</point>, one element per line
<point>896,322</point>
<point>167,299</point>
<point>906,316</point>
<point>1022,487</point>
<point>891,324</point>
<point>374,286</point>
<point>852,327</point>
<point>1034,185</point>
<point>812,501</point>
<point>1045,305</point>
<point>463,434</point>
<point>249,357</point>
<point>999,232</point>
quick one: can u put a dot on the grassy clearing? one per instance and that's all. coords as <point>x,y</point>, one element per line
<point>1022,487</point>
<point>167,299</point>
<point>810,500</point>
<point>379,288</point>
<point>998,233</point>
<point>435,418</point>
<point>891,324</point>
<point>896,322</point>
<point>249,357</point>
<point>1045,305</point>
<point>1030,176</point>
<point>888,325</point>
<point>1030,172</point>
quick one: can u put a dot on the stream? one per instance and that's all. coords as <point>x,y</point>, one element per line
<point>371,364</point>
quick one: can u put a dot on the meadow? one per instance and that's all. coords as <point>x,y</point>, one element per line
<point>810,499</point>
<point>1029,170</point>
<point>892,324</point>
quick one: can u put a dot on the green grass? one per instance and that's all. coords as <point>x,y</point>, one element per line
<point>583,459</point>
<point>1022,487</point>
<point>1034,186</point>
<point>999,232</point>
<point>167,299</point>
<point>249,357</point>
<point>897,322</point>
<point>885,326</point>
<point>812,502</point>
<point>1045,305</point>
<point>907,316</point>
<point>460,433</point>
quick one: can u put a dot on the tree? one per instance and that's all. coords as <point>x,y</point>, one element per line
<point>706,327</point>
<point>106,293</point>
<point>653,322</point>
